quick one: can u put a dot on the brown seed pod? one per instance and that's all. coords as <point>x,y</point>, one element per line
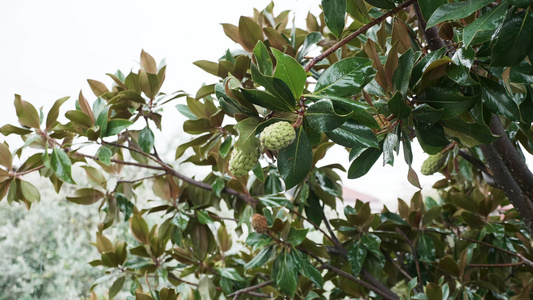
<point>259,223</point>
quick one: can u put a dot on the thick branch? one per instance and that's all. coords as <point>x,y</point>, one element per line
<point>431,34</point>
<point>511,158</point>
<point>505,179</point>
<point>358,32</point>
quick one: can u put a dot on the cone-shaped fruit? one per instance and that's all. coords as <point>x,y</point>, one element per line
<point>277,136</point>
<point>433,164</point>
<point>242,162</point>
<point>259,223</point>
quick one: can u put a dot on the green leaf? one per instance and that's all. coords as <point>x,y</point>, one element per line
<point>398,107</point>
<point>6,159</point>
<point>146,139</point>
<point>345,77</point>
<point>521,3</point>
<point>139,228</point>
<point>449,99</point>
<point>428,7</point>
<point>356,257</point>
<point>359,111</point>
<point>310,40</point>
<point>86,196</point>
<point>386,4</point>
<point>455,11</point>
<point>423,64</point>
<point>426,116</point>
<point>290,71</point>
<point>125,205</point>
<point>247,130</point>
<point>402,74</point>
<point>296,236</point>
<point>184,110</point>
<point>262,59</point>
<point>203,217</point>
<point>276,87</point>
<point>54,113</point>
<point>266,100</point>
<point>482,29</point>
<point>389,145</point>
<point>10,129</point>
<point>363,162</point>
<point>294,161</point>
<point>334,14</point>
<point>61,165</point>
<point>285,273</point>
<point>116,287</point>
<point>323,117</point>
<point>102,119</point>
<point>261,258</point>
<point>432,139</point>
<point>115,126</point>
<point>307,269</point>
<point>426,248</point>
<point>351,134</point>
<point>498,101</point>
<point>104,155</point>
<point>230,273</point>
<point>29,192</point>
<point>480,134</point>
<point>26,112</point>
<point>275,200</point>
<point>513,42</point>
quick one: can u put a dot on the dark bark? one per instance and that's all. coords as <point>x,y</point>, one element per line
<point>431,34</point>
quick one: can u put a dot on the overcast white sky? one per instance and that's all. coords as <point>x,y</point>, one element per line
<point>49,49</point>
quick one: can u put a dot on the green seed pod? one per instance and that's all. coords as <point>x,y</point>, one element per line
<point>433,164</point>
<point>277,136</point>
<point>242,162</point>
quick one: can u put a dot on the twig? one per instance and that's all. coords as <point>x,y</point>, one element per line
<point>141,179</point>
<point>358,32</point>
<point>249,289</point>
<point>417,263</point>
<point>396,265</point>
<point>496,265</point>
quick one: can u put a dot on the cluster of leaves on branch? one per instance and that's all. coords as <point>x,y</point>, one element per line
<point>454,75</point>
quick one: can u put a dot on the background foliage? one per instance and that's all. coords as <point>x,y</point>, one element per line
<point>371,76</point>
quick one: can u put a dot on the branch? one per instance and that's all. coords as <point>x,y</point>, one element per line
<point>512,159</point>
<point>358,32</point>
<point>249,289</point>
<point>312,223</point>
<point>431,34</point>
<point>417,263</point>
<point>505,179</point>
<point>387,294</point>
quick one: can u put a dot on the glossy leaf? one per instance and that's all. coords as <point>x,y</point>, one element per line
<point>346,77</point>
<point>285,273</point>
<point>104,155</point>
<point>455,11</point>
<point>296,236</point>
<point>483,27</point>
<point>513,41</point>
<point>386,4</point>
<point>363,162</point>
<point>402,74</point>
<point>276,87</point>
<point>294,161</point>
<point>334,14</point>
<point>323,117</point>
<point>266,100</point>
<point>426,115</point>
<point>351,134</point>
<point>261,258</point>
<point>359,112</point>
<point>480,134</point>
<point>498,101</point>
<point>520,3</point>
<point>247,130</point>
<point>356,257</point>
<point>262,59</point>
<point>450,100</point>
<point>428,7</point>
<point>307,269</point>
<point>61,165</point>
<point>146,139</point>
<point>116,126</point>
<point>290,71</point>
<point>398,107</point>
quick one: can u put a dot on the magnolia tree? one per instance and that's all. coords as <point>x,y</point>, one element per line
<point>371,76</point>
